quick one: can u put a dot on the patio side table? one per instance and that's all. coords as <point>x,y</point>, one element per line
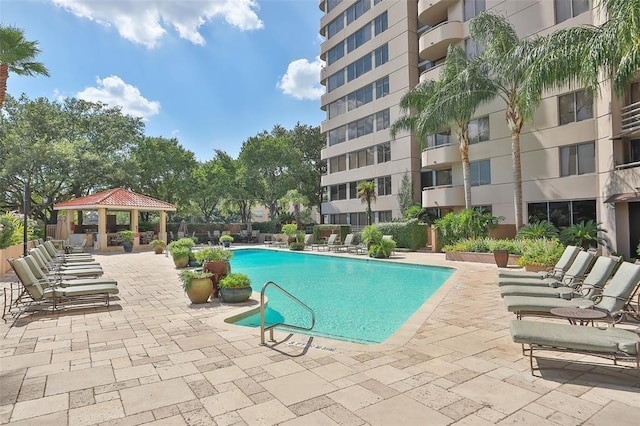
<point>579,315</point>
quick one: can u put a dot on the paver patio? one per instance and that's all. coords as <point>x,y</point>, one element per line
<point>152,358</point>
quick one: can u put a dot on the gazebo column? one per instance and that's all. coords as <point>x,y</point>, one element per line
<point>71,217</point>
<point>102,229</point>
<point>134,227</point>
<point>162,235</point>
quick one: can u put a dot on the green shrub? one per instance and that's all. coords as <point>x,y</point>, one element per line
<point>182,242</point>
<point>290,229</point>
<point>269,227</point>
<point>638,250</point>
<point>212,253</point>
<point>180,251</point>
<point>371,234</point>
<point>545,252</point>
<point>484,245</point>
<point>128,236</point>
<point>583,234</point>
<point>468,223</point>
<point>226,239</point>
<point>410,234</point>
<point>382,247</point>
<point>234,280</point>
<point>12,230</point>
<point>542,229</point>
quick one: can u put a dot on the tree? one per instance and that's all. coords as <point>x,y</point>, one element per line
<point>294,198</point>
<point>238,196</point>
<point>309,168</point>
<point>434,106</point>
<point>17,55</point>
<point>405,192</point>
<point>367,193</point>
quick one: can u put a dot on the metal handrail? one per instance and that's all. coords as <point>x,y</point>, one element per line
<point>272,326</point>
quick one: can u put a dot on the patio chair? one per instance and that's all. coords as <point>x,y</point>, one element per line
<point>346,244</point>
<point>615,299</point>
<point>62,280</point>
<point>56,271</point>
<point>51,265</point>
<point>594,281</point>
<point>563,264</point>
<point>574,274</point>
<point>330,241</point>
<point>255,236</point>
<point>171,236</point>
<point>55,253</point>
<point>66,262</point>
<point>57,294</point>
<point>308,240</point>
<point>76,244</point>
<point>244,236</point>
<point>612,342</point>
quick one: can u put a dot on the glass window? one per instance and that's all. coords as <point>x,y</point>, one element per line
<point>338,164</point>
<point>335,53</point>
<point>380,23</point>
<point>478,130</point>
<point>331,4</point>
<point>537,212</point>
<point>356,11</point>
<point>359,67</point>
<point>480,172</point>
<point>337,135</point>
<point>337,107</point>
<point>566,9</point>
<point>473,8</point>
<point>382,87</point>
<point>472,48</point>
<point>353,190</point>
<point>360,97</point>
<point>359,219</point>
<point>335,80</point>
<point>382,120</point>
<point>577,159</point>
<point>359,38</point>
<point>384,152</point>
<point>562,213</point>
<point>632,151</point>
<point>335,26</point>
<point>439,139</point>
<point>339,219</point>
<point>385,216</point>
<point>382,55</point>
<point>339,192</point>
<point>576,106</point>
<point>384,185</point>
<point>433,178</point>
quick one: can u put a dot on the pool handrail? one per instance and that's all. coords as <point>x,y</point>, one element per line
<point>272,326</point>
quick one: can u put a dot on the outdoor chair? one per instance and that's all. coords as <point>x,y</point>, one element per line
<point>615,343</point>
<point>63,280</point>
<point>563,264</point>
<point>615,299</point>
<point>76,244</point>
<point>55,253</point>
<point>254,236</point>
<point>56,264</point>
<point>171,236</point>
<point>244,236</point>
<point>86,271</point>
<point>594,281</point>
<point>66,260</point>
<point>308,240</point>
<point>330,241</point>
<point>574,274</point>
<point>348,243</point>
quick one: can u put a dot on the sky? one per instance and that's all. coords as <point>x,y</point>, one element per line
<point>211,73</point>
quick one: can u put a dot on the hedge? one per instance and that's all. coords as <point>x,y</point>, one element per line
<point>410,234</point>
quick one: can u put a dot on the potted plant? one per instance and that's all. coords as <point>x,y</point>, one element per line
<point>235,288</point>
<point>158,246</point>
<point>197,285</point>
<point>226,240</point>
<point>216,261</point>
<point>501,250</point>
<point>290,230</point>
<point>127,240</point>
<point>382,248</point>
<point>537,255</point>
<point>180,256</point>
<point>298,243</point>
<point>371,235</point>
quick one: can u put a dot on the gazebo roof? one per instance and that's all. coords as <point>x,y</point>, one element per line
<point>115,199</point>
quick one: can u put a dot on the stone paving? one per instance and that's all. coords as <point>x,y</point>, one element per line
<point>152,358</point>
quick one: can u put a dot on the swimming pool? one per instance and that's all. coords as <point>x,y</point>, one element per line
<point>358,300</point>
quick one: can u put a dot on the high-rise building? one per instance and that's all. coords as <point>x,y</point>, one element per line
<point>580,156</point>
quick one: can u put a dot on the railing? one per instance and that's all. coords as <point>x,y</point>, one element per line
<point>264,328</point>
<point>627,165</point>
<point>630,118</point>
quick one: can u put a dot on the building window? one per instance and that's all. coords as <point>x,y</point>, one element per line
<point>383,120</point>
<point>567,9</point>
<point>361,158</point>
<point>359,38</point>
<point>360,97</point>
<point>578,159</point>
<point>631,152</point>
<point>480,172</point>
<point>382,87</point>
<point>357,10</point>
<point>478,130</point>
<point>576,106</point>
<point>382,55</point>
<point>335,26</point>
<point>433,178</point>
<point>359,67</point>
<point>335,80</point>
<point>439,139</point>
<point>473,8</point>
<point>384,185</point>
<point>353,190</point>
<point>358,219</point>
<point>362,127</point>
<point>337,135</point>
<point>562,213</point>
<point>339,192</point>
<point>376,2</point>
<point>339,219</point>
<point>385,216</point>
<point>380,23</point>
<point>384,152</point>
<point>331,4</point>
<point>338,164</point>
<point>472,48</point>
<point>335,54</point>
<point>337,107</point>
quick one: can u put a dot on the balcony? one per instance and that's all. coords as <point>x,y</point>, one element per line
<point>432,73</point>
<point>440,156</point>
<point>324,74</point>
<point>433,44</point>
<point>430,12</point>
<point>630,117</point>
<point>321,5</point>
<point>443,196</point>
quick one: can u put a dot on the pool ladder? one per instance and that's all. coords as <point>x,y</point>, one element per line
<point>264,328</point>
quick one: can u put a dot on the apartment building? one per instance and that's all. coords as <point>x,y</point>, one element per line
<point>580,156</point>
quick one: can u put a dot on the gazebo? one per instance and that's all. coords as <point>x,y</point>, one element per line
<point>117,199</point>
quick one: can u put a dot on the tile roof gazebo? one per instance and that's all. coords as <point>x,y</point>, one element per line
<point>118,199</point>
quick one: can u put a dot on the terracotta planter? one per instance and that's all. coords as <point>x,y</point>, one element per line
<point>235,295</point>
<point>535,268</point>
<point>219,269</point>
<point>181,261</point>
<point>158,249</point>
<point>501,257</point>
<point>200,290</point>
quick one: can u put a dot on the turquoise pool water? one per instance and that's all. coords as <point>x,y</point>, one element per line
<point>356,300</point>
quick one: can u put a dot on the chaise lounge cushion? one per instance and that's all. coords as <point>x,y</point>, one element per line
<point>564,336</point>
<point>543,304</point>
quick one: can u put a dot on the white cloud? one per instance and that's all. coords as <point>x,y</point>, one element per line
<point>302,80</point>
<point>144,21</point>
<point>113,91</point>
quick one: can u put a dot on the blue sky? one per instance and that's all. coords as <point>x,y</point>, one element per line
<point>211,73</point>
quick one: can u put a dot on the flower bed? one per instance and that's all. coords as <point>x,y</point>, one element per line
<point>465,256</point>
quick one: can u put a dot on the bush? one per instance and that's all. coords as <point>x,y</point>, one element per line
<point>410,234</point>
<point>269,227</point>
<point>484,245</point>
<point>382,248</point>
<point>468,223</point>
<point>226,239</point>
<point>583,234</point>
<point>182,242</point>
<point>234,280</point>
<point>542,229</point>
<point>290,229</point>
<point>545,252</point>
<point>212,253</point>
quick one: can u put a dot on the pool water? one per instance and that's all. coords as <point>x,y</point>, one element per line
<point>358,300</point>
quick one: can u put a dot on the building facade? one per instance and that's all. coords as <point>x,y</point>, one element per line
<point>580,156</point>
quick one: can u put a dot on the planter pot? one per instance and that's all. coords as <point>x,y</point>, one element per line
<point>128,246</point>
<point>194,263</point>
<point>158,249</point>
<point>378,256</point>
<point>478,257</point>
<point>181,261</point>
<point>200,290</point>
<point>219,269</point>
<point>235,295</point>
<point>226,243</point>
<point>535,268</point>
<point>501,257</point>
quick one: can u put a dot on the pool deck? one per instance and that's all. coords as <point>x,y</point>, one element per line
<point>152,358</point>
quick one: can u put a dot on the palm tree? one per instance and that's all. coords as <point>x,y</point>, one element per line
<point>367,193</point>
<point>17,55</point>
<point>435,105</point>
<point>295,198</point>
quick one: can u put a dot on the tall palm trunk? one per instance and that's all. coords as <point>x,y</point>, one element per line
<point>369,210</point>
<point>463,146</point>
<point>296,213</point>
<point>515,121</point>
<point>4,75</point>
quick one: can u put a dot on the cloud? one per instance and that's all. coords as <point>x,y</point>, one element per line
<point>302,80</point>
<point>145,21</point>
<point>113,91</point>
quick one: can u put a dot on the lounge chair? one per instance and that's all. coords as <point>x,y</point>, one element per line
<point>57,272</point>
<point>574,274</point>
<point>244,236</point>
<point>254,236</point>
<point>308,240</point>
<point>59,263</point>
<point>346,245</point>
<point>614,300</point>
<point>62,280</point>
<point>56,294</point>
<point>330,242</point>
<point>611,342</point>
<point>76,245</point>
<point>594,281</point>
<point>55,253</point>
<point>563,264</point>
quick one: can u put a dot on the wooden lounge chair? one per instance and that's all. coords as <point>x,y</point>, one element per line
<point>563,264</point>
<point>613,342</point>
<point>574,274</point>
